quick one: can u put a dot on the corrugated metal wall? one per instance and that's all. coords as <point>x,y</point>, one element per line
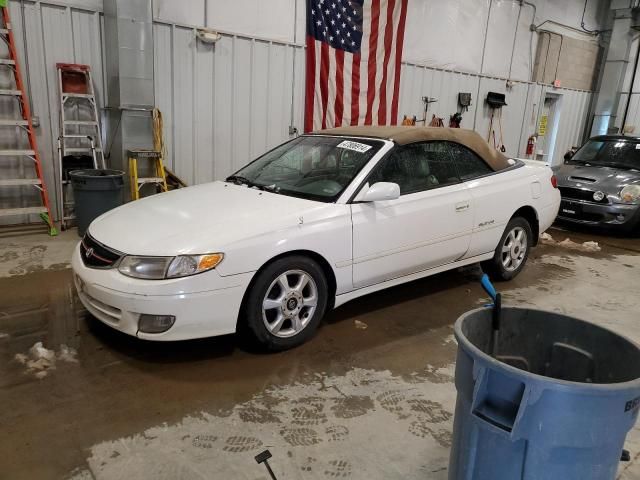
<point>226,103</point>
<point>519,117</point>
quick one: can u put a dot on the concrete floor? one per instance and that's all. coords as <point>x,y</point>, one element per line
<point>370,397</point>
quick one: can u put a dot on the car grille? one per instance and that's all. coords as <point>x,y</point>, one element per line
<point>580,194</point>
<point>96,255</point>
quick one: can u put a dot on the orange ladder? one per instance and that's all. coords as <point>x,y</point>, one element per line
<point>24,124</point>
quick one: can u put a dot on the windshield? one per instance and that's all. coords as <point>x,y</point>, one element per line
<point>313,167</point>
<point>609,153</point>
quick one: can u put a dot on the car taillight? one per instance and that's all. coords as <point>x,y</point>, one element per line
<point>554,181</point>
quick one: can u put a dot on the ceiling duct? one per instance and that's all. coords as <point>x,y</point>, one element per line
<point>129,53</point>
<point>130,86</point>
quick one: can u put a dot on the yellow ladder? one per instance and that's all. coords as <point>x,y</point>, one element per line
<point>136,183</point>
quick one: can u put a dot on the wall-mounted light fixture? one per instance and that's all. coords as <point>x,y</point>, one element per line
<point>208,36</point>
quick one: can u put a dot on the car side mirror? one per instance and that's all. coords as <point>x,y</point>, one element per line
<point>381,191</point>
<point>569,155</point>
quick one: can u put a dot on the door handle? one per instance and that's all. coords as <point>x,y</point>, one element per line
<point>462,206</point>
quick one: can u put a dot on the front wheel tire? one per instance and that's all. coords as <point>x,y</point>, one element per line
<point>512,251</point>
<point>285,303</point>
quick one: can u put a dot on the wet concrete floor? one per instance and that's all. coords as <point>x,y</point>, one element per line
<point>132,408</point>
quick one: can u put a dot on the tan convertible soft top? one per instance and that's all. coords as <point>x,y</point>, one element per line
<point>404,135</point>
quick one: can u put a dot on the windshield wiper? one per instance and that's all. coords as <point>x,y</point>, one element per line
<point>240,180</point>
<point>579,162</point>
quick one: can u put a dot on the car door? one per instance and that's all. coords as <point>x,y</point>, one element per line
<point>427,226</point>
<point>491,196</point>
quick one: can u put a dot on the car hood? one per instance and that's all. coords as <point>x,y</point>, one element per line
<point>199,219</point>
<point>606,179</point>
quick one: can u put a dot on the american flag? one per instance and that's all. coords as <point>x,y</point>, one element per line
<point>354,49</point>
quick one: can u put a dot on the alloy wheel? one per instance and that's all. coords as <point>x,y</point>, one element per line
<point>514,249</point>
<point>289,303</point>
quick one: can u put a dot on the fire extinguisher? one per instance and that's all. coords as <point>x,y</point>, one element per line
<point>531,144</point>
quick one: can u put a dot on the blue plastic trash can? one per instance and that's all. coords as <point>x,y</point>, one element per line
<point>556,402</point>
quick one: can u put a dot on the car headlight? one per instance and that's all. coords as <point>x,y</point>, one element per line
<point>159,268</point>
<point>630,193</point>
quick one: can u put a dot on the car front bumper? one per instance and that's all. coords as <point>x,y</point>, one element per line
<point>204,305</point>
<point>615,216</point>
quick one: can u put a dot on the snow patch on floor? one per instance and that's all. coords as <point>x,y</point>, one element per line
<point>39,361</point>
<point>323,427</point>
<point>547,239</point>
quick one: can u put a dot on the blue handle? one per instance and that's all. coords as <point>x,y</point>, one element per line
<point>488,286</point>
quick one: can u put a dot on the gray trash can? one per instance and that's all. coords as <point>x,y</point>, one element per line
<point>95,192</point>
<point>556,402</point>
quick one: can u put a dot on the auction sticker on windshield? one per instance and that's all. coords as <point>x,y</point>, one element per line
<point>355,146</point>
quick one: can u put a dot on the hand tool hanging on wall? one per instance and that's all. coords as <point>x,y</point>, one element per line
<point>408,121</point>
<point>80,140</point>
<point>23,124</point>
<point>455,120</point>
<point>496,101</point>
<point>464,101</point>
<point>436,121</point>
<point>427,101</point>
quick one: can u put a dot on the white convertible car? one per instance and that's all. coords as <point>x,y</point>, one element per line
<point>310,225</point>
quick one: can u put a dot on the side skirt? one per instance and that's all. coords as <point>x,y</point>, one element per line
<point>347,297</point>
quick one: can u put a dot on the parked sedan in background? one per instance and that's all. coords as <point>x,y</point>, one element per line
<point>600,184</point>
<point>308,226</point>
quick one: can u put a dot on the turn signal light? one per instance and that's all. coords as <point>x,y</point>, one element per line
<point>209,261</point>
<point>554,181</point>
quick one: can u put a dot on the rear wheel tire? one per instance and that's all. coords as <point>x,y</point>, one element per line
<point>286,303</point>
<point>512,251</point>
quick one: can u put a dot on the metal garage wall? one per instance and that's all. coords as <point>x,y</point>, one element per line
<point>519,117</point>
<point>418,81</point>
<point>223,104</point>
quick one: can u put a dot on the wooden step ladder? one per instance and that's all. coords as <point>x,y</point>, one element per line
<point>22,124</point>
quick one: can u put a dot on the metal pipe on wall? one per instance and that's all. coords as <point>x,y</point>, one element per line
<point>293,130</point>
<point>633,81</point>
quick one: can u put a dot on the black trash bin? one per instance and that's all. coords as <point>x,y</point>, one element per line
<point>552,398</point>
<point>95,192</point>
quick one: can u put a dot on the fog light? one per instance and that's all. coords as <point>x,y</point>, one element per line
<point>155,323</point>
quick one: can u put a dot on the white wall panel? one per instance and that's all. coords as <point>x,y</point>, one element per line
<point>203,164</point>
<point>501,34</point>
<point>189,12</point>
<point>183,54</point>
<point>272,19</point>
<point>447,34</point>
